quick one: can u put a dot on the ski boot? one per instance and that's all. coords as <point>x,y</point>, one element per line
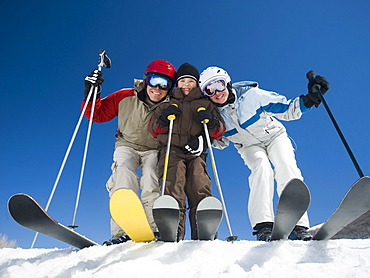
<point>263,231</point>
<point>117,240</point>
<point>300,233</point>
<point>157,236</point>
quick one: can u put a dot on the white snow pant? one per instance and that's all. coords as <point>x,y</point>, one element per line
<point>261,181</point>
<point>126,163</point>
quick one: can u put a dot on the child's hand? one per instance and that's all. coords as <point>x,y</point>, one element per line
<point>205,116</point>
<point>196,146</point>
<point>164,118</point>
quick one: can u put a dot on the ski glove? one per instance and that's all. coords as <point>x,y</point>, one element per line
<point>314,83</point>
<point>93,79</point>
<point>205,115</point>
<point>196,146</point>
<point>170,110</point>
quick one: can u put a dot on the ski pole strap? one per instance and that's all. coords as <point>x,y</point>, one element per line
<point>205,120</point>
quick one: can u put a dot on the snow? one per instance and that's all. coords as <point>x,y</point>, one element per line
<point>334,258</point>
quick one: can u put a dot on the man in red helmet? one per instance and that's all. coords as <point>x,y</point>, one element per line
<point>134,147</point>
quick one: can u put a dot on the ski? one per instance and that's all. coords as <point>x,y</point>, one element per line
<point>355,203</point>
<point>293,203</point>
<point>166,215</point>
<point>358,229</point>
<point>27,212</point>
<point>127,211</point>
<point>209,216</point>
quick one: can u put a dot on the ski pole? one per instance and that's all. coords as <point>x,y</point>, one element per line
<point>103,61</point>
<point>217,181</point>
<point>344,141</point>
<point>167,156</point>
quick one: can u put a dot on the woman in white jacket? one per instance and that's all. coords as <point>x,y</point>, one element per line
<point>251,114</point>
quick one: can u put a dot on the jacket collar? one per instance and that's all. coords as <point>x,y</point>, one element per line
<point>193,94</point>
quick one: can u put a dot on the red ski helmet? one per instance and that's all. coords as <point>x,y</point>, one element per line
<point>161,68</point>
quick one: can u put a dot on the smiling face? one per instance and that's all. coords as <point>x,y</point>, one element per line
<point>155,94</point>
<point>220,97</point>
<point>186,84</point>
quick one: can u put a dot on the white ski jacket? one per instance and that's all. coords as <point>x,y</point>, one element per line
<point>252,118</point>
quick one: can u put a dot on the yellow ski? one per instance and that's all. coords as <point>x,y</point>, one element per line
<point>128,212</point>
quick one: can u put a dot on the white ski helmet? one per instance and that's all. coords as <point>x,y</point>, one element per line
<point>212,74</point>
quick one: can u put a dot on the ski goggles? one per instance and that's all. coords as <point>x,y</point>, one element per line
<point>211,88</point>
<point>161,82</point>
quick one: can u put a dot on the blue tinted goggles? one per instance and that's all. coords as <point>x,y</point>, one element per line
<point>161,82</point>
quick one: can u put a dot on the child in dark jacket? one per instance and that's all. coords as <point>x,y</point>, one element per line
<point>187,175</point>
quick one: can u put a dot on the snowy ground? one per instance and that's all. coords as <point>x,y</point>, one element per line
<point>335,258</point>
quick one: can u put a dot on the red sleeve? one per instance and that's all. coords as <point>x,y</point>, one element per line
<point>217,134</point>
<point>107,108</point>
<point>157,129</point>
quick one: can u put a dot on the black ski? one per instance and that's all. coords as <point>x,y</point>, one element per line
<point>166,215</point>
<point>28,213</point>
<point>355,203</point>
<point>209,216</point>
<point>293,203</point>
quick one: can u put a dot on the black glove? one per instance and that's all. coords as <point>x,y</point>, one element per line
<point>170,110</point>
<point>93,79</point>
<point>314,83</point>
<point>205,115</point>
<point>196,146</point>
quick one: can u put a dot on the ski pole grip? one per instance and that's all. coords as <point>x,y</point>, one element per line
<point>205,120</point>
<point>173,116</point>
<point>104,60</point>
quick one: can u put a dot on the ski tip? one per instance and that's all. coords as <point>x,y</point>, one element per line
<point>209,203</point>
<point>14,199</point>
<point>364,178</point>
<point>122,193</point>
<point>166,201</point>
<point>17,195</point>
<point>296,182</point>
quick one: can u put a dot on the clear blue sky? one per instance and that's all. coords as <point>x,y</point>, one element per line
<point>48,47</point>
